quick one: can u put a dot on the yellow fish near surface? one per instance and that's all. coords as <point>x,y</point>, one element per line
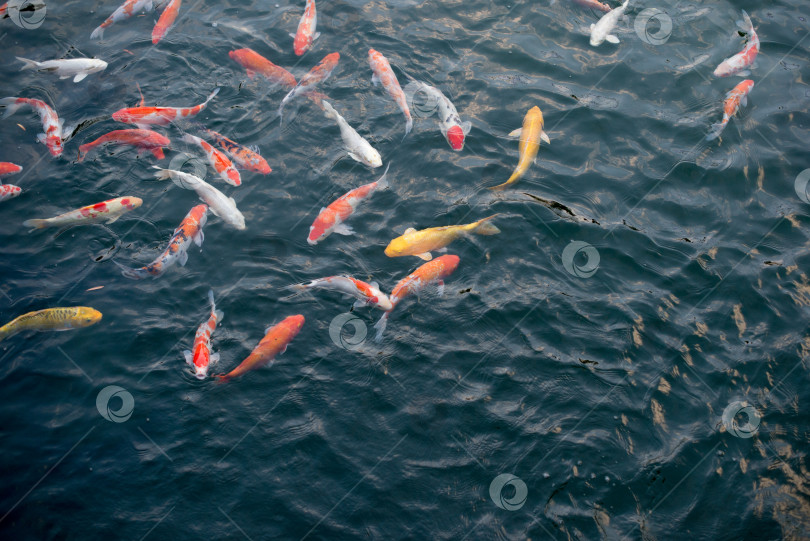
<point>52,319</point>
<point>530,136</point>
<point>421,243</point>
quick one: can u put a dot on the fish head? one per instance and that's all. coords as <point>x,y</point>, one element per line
<point>382,302</point>
<point>302,43</point>
<point>263,167</point>
<point>372,158</point>
<point>449,263</point>
<point>86,316</point>
<point>455,136</point>
<point>396,247</point>
<point>54,144</point>
<point>317,232</point>
<point>201,362</point>
<point>724,69</point>
<point>294,323</point>
<point>234,177</point>
<point>131,203</point>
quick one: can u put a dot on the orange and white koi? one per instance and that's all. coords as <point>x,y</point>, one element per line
<point>332,218</point>
<point>275,342</point>
<point>8,168</point>
<point>421,243</point>
<point>308,82</point>
<point>166,20</point>
<point>385,75</point>
<point>51,123</point>
<point>593,4</point>
<point>125,11</point>
<point>144,140</point>
<point>306,33</point>
<point>9,191</point>
<point>367,294</point>
<point>738,64</point>
<point>78,68</point>
<point>200,357</point>
<point>738,97</point>
<point>108,211</point>
<point>244,157</point>
<point>144,117</point>
<point>219,161</point>
<point>429,100</point>
<point>190,229</point>
<point>255,63</point>
<point>432,272</point>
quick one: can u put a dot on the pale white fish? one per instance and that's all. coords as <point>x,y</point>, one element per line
<point>358,148</point>
<point>601,31</point>
<point>219,203</point>
<point>426,99</point>
<point>78,68</point>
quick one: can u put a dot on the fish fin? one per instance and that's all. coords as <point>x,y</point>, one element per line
<point>380,326</point>
<point>592,25</point>
<point>292,35</point>
<point>484,227</point>
<point>29,64</point>
<point>426,256</point>
<point>343,229</point>
<point>744,101</point>
<point>36,223</point>
<point>466,127</point>
<point>544,137</point>
<point>743,73</point>
<point>211,298</point>
<point>716,130</point>
<point>220,314</point>
<point>158,153</point>
<point>440,288</point>
<point>610,38</point>
<point>213,358</point>
<point>189,357</point>
<point>98,33</point>
<point>256,149</point>
<point>79,77</point>
<point>409,231</point>
<point>199,237</point>
<point>41,138</point>
<point>182,258</point>
<point>515,133</point>
<point>375,80</point>
<point>442,250</point>
<point>360,304</point>
<point>354,156</point>
<point>113,219</point>
<point>408,126</point>
<point>251,74</point>
<point>11,106</point>
<point>316,36</point>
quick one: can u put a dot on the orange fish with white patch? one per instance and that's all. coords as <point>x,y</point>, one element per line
<point>219,161</point>
<point>51,123</point>
<point>8,168</point>
<point>145,117</point>
<point>306,33</point>
<point>738,97</point>
<point>125,11</point>
<point>9,191</point>
<point>255,63</point>
<point>166,20</point>
<point>365,293</point>
<point>244,157</point>
<point>108,211</point>
<point>308,82</point>
<point>385,75</point>
<point>144,140</point>
<point>275,342</point>
<point>200,357</point>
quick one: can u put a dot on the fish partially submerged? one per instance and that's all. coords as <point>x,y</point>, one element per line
<point>367,294</point>
<point>740,62</point>
<point>221,205</point>
<point>356,146</point>
<point>601,31</point>
<point>244,157</point>
<point>311,80</point>
<point>125,11</point>
<point>200,357</point>
<point>593,4</point>
<point>434,271</point>
<point>219,161</point>
<point>166,21</point>
<point>332,218</point>
<point>145,117</point>
<point>421,243</point>
<point>736,98</point>
<point>190,230</point>
<point>52,319</point>
<point>143,140</point>
<point>78,68</point>
<point>275,342</point>
<point>51,123</point>
<point>382,73</point>
<point>255,63</point>
<point>9,191</point>
<point>306,32</point>
<point>530,136</point>
<point>430,101</point>
<point>8,168</point>
<point>107,211</point>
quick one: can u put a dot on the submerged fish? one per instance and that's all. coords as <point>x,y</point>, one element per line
<point>221,205</point>
<point>9,191</point>
<point>51,123</point>
<point>166,21</point>
<point>740,62</point>
<point>530,136</point>
<point>306,33</point>
<point>431,272</point>
<point>144,140</point>
<point>255,63</point>
<point>144,117</point>
<point>593,4</point>
<point>275,342</point>
<point>219,161</point>
<point>244,157</point>
<point>421,243</point>
<point>125,11</point>
<point>601,31</point>
<point>190,229</point>
<point>52,319</point>
<point>453,129</point>
<point>78,68</point>
<point>365,293</point>
<point>356,146</point>
<point>331,219</point>
<point>107,211</point>
<point>200,357</point>
<point>8,168</point>
<point>736,98</point>
<point>309,82</point>
<point>385,75</point>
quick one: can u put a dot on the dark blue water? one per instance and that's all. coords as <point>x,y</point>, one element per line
<point>596,374</point>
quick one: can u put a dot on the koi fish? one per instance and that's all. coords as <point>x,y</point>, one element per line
<point>255,63</point>
<point>51,123</point>
<point>144,117</point>
<point>201,357</point>
<point>190,229</point>
<point>244,157</point>
<point>331,219</point>
<point>165,21</point>
<point>366,294</point>
<point>421,243</point>
<point>78,68</point>
<point>109,210</point>
<point>601,31</point>
<point>219,161</point>
<point>306,33</point>
<point>593,4</point>
<point>316,75</point>
<point>738,64</point>
<point>9,191</point>
<point>530,136</point>
<point>52,319</point>
<point>736,98</point>
<point>385,75</point>
<point>275,342</point>
<point>453,129</point>
<point>4,11</point>
<point>358,148</point>
<point>221,205</point>
<point>125,11</point>
<point>432,272</point>
<point>144,140</point>
<point>8,168</point>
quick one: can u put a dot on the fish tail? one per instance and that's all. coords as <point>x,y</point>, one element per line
<point>6,331</point>
<point>36,224</point>
<point>162,174</point>
<point>716,130</point>
<point>382,182</point>
<point>29,64</point>
<point>11,105</point>
<point>408,125</point>
<point>380,326</point>
<point>483,227</point>
<point>83,150</point>
<point>211,299</point>
<point>134,274</point>
<point>328,110</point>
<point>98,33</point>
<point>211,96</point>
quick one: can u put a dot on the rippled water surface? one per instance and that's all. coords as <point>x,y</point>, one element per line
<point>595,374</point>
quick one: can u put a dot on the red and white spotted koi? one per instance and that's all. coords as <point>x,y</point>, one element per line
<point>738,97</point>
<point>51,123</point>
<point>308,82</point>
<point>125,11</point>
<point>385,75</point>
<point>144,117</point>
<point>219,161</point>
<point>365,293</point>
<point>9,191</point>
<point>306,33</point>
<point>200,357</point>
<point>108,211</point>
<point>738,64</point>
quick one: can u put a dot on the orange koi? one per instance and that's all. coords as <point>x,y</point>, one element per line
<point>275,342</point>
<point>144,117</point>
<point>255,63</point>
<point>144,140</point>
<point>165,21</point>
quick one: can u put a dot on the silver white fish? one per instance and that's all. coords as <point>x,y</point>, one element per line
<point>427,100</point>
<point>601,31</point>
<point>78,68</point>
<point>358,148</point>
<point>219,203</point>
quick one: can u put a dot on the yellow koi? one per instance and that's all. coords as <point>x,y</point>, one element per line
<point>52,319</point>
<point>421,243</point>
<point>530,136</point>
